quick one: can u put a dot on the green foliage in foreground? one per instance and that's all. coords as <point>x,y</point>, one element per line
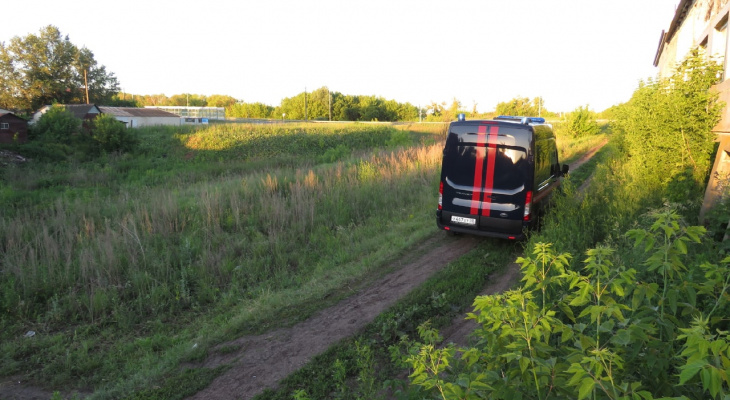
<point>643,315</point>
<point>357,368</point>
<point>657,329</point>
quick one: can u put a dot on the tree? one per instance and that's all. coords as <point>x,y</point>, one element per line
<point>250,110</point>
<point>667,126</point>
<point>219,100</point>
<point>57,124</point>
<point>111,135</point>
<point>581,122</point>
<point>37,70</point>
<point>519,106</point>
<point>187,100</point>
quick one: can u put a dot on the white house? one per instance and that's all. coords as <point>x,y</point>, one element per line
<point>138,117</point>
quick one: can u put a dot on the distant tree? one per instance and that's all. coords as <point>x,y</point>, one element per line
<point>519,106</point>
<point>219,100</point>
<point>125,100</point>
<point>318,104</point>
<point>346,108</point>
<point>435,109</point>
<point>152,100</point>
<point>451,113</point>
<point>251,110</point>
<point>37,70</point>
<point>187,99</point>
<point>293,107</point>
<point>581,122</point>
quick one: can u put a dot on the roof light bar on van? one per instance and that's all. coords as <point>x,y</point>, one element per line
<point>461,117</point>
<point>522,120</point>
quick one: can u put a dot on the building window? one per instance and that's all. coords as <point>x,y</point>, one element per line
<point>719,48</point>
<point>4,125</point>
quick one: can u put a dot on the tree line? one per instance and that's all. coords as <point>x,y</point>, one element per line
<point>47,68</point>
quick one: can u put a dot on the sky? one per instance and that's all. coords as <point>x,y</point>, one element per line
<point>572,53</point>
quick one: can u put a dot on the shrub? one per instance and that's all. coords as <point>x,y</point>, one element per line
<point>58,124</point>
<point>111,135</point>
<point>667,127</point>
<point>581,122</point>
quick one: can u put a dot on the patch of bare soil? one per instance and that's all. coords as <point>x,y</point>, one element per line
<point>587,156</point>
<point>263,360</point>
<point>8,158</point>
<point>13,388</point>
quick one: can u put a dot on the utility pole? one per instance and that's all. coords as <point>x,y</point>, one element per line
<point>305,103</point>
<point>329,95</point>
<point>86,85</point>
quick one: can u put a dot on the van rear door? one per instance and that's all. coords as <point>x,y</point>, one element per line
<point>485,176</point>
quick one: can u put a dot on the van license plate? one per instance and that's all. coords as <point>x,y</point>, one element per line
<point>463,220</point>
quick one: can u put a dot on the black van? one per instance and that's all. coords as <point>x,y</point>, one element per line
<point>496,175</point>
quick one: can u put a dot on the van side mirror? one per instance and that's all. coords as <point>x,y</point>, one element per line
<point>565,169</point>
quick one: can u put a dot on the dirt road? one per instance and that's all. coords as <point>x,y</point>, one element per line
<point>264,360</point>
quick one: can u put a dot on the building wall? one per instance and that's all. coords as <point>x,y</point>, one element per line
<point>706,25</point>
<point>138,122</point>
<point>17,129</point>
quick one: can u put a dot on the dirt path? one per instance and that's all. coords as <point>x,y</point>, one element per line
<point>264,360</point>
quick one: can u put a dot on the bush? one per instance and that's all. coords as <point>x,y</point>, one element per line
<point>667,127</point>
<point>581,122</point>
<point>57,124</point>
<point>111,135</point>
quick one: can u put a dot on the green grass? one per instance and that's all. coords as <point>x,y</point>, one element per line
<point>447,294</point>
<point>129,266</point>
<point>122,264</point>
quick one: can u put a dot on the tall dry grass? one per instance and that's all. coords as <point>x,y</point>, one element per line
<point>152,250</point>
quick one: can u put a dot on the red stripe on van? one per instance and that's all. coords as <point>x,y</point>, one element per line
<point>489,181</point>
<point>476,194</point>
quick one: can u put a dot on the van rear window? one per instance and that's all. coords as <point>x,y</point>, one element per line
<point>510,170</point>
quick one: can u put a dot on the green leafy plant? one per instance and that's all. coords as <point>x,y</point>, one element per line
<point>111,135</point>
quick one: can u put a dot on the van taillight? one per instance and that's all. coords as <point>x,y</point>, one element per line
<point>528,205</point>
<point>441,195</point>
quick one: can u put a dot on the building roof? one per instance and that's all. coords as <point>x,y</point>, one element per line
<point>8,114</point>
<point>679,15</point>
<point>80,111</point>
<point>137,112</point>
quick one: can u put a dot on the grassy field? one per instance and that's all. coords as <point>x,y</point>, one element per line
<point>127,266</point>
<point>120,265</point>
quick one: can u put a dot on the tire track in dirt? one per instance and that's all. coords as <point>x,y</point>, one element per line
<point>263,360</point>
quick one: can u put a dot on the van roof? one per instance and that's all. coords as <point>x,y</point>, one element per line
<point>520,119</point>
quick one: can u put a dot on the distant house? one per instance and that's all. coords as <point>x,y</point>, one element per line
<point>84,112</point>
<point>699,23</point>
<point>12,128</point>
<point>138,117</point>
